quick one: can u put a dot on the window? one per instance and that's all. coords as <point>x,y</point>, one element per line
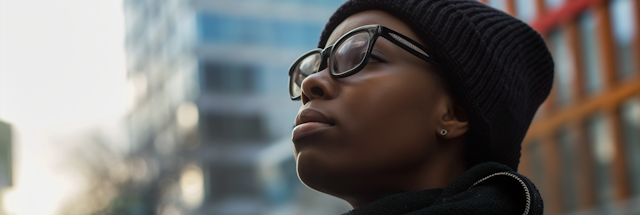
<point>601,144</point>
<point>257,31</point>
<point>566,145</point>
<point>247,30</point>
<point>630,119</point>
<point>623,24</point>
<point>590,53</point>
<point>552,4</point>
<point>227,78</point>
<point>209,26</point>
<point>289,34</point>
<point>267,32</point>
<point>297,35</point>
<point>232,127</point>
<point>526,10</point>
<point>565,71</point>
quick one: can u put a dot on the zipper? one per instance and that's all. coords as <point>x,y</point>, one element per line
<point>526,189</point>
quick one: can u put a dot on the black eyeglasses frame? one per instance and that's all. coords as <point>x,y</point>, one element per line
<point>374,31</point>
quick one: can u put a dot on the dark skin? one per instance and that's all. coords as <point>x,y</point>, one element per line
<point>380,128</point>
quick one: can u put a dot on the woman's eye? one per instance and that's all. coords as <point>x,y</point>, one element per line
<point>374,59</point>
<point>360,56</point>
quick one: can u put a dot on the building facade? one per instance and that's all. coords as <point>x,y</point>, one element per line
<point>583,147</point>
<point>212,118</point>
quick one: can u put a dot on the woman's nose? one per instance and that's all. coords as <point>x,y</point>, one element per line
<point>320,85</point>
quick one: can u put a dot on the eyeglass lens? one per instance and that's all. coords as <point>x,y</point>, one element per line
<point>350,53</point>
<point>347,55</point>
<point>304,68</point>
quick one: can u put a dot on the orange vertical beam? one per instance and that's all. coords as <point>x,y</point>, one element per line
<point>541,10</point>
<point>574,40</point>
<point>586,183</point>
<point>606,45</point>
<point>511,7</point>
<point>608,56</point>
<point>620,173</point>
<point>636,39</point>
<point>552,180</point>
<point>585,171</point>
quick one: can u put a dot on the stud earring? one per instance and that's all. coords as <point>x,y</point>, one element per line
<point>443,132</point>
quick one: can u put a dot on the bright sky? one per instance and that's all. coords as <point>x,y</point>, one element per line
<point>62,70</point>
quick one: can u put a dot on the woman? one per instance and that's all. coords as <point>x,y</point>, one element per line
<point>420,107</point>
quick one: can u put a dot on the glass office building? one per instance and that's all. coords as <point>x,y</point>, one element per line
<point>212,116</point>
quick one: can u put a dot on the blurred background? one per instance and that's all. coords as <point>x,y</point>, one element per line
<point>180,107</point>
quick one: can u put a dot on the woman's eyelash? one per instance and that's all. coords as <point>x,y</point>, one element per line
<point>377,56</point>
<point>374,58</point>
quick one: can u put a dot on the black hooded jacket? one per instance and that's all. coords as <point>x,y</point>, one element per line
<point>489,188</point>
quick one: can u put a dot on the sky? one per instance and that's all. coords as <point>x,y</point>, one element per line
<point>62,72</point>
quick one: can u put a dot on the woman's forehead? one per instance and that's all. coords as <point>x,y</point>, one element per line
<point>368,18</point>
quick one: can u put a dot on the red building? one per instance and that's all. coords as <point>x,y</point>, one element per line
<point>583,147</point>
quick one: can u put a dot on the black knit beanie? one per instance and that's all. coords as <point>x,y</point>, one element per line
<point>498,67</point>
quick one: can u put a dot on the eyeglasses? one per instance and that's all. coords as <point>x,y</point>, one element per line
<point>348,55</point>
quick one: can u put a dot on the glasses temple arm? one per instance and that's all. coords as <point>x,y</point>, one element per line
<point>408,44</point>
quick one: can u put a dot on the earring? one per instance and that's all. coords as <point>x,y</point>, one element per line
<point>443,132</point>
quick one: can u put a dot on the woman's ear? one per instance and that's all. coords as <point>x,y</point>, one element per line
<point>453,122</point>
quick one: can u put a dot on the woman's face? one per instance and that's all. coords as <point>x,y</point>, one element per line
<point>372,132</point>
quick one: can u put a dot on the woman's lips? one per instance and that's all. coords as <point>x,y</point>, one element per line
<point>305,129</point>
<point>308,121</point>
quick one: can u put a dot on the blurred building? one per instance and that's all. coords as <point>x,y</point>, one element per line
<point>212,118</point>
<point>583,148</point>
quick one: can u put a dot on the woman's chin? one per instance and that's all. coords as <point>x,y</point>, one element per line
<point>315,173</point>
<point>322,175</point>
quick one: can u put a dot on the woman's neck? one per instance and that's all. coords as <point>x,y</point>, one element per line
<point>437,171</point>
